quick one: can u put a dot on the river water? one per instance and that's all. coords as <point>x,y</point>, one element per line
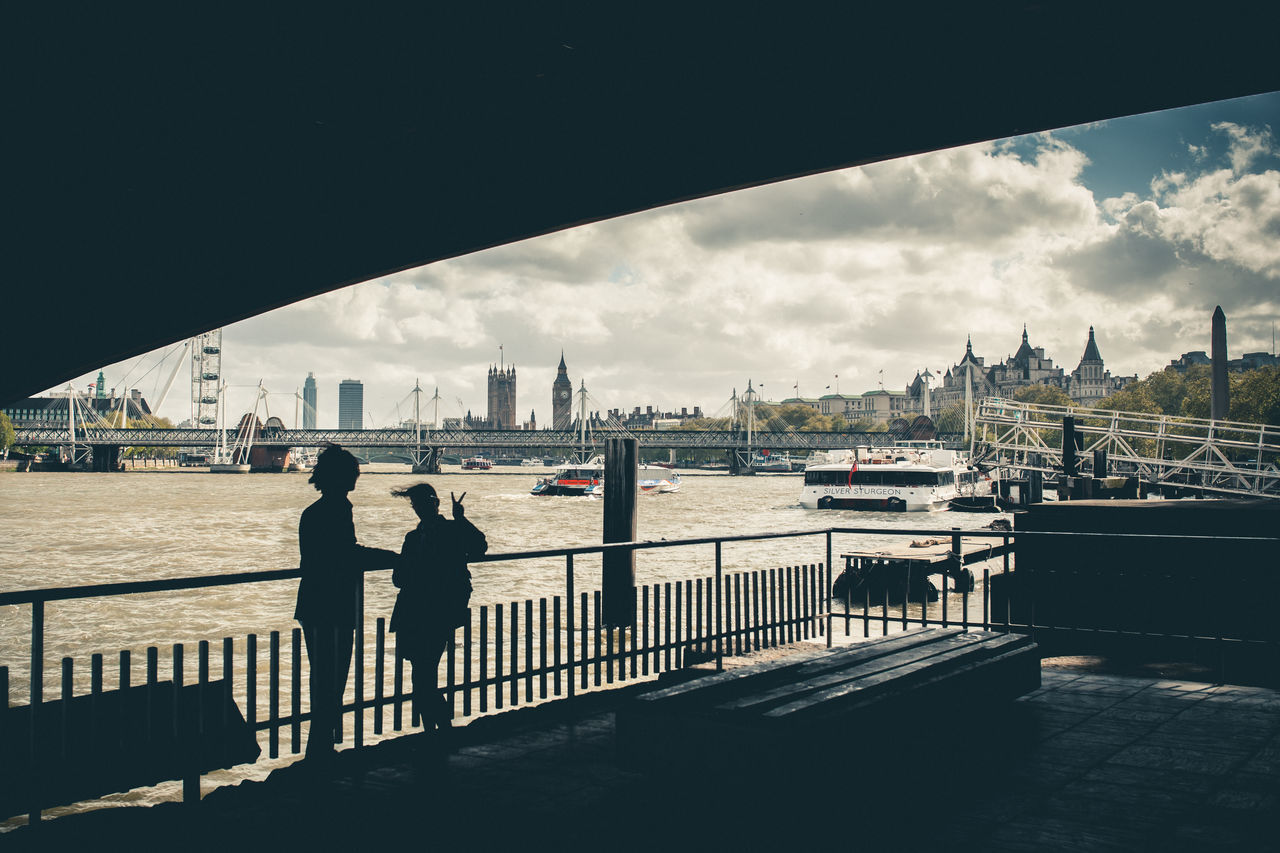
<point>59,529</point>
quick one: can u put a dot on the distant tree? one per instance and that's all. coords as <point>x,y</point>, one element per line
<point>7,436</point>
<point>1042,395</point>
<point>1255,396</point>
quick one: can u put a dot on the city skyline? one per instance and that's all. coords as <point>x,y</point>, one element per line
<point>1137,227</point>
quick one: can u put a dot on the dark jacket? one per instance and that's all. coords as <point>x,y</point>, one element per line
<point>433,578</point>
<point>332,563</point>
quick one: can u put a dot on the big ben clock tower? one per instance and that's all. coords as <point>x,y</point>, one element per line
<point>561,397</point>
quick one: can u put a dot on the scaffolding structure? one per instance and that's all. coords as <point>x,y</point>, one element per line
<point>1221,457</point>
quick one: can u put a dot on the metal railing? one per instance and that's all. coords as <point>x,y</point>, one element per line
<point>551,648</point>
<point>536,650</point>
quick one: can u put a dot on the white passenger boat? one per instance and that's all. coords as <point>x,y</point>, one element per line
<point>657,479</point>
<point>911,476</point>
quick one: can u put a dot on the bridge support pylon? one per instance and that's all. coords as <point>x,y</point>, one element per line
<point>427,462</point>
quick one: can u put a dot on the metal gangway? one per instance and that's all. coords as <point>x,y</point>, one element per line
<point>1221,457</point>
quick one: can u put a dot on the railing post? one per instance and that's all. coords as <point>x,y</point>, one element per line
<point>37,698</point>
<point>358,723</point>
<point>569,625</point>
<point>719,610</point>
<point>829,588</point>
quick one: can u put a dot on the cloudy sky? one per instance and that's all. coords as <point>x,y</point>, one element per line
<point>1136,226</point>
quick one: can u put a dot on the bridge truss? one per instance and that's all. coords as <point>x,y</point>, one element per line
<point>465,439</point>
<point>1223,457</point>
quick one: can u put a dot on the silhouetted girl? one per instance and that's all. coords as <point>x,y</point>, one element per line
<point>332,566</point>
<point>435,586</point>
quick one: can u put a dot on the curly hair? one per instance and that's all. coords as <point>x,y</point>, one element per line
<point>335,468</point>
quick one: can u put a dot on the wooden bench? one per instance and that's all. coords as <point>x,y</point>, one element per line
<point>865,694</point>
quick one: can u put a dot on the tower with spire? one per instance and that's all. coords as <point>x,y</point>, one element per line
<point>561,398</point>
<point>1091,382</point>
<point>502,396</point>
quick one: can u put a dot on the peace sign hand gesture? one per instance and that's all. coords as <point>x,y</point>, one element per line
<point>458,510</point>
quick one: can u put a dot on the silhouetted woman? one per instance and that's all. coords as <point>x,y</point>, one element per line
<point>332,566</point>
<point>435,585</point>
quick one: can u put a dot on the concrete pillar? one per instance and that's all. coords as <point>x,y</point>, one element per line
<point>1218,403</point>
<point>618,583</point>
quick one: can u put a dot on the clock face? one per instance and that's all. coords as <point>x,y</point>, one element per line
<point>563,395</point>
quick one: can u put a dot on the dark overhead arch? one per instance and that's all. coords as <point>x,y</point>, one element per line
<point>177,170</point>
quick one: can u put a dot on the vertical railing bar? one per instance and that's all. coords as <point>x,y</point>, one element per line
<point>884,613</point>
<point>689,629</point>
<point>772,611</point>
<point>568,614</point>
<point>124,680</point>
<point>95,691</point>
<point>755,609</point>
<point>719,608</point>
<point>358,651</point>
<point>608,652</point>
<point>636,646</point>
<point>1004,582</point>
<point>295,686</point>
<point>866,611</point>
<point>657,629</point>
<point>644,627</point>
<point>585,643</point>
<point>451,674</point>
<point>906,594</point>
<point>484,658</point>
<point>700,631</point>
<point>666,625</point>
<point>202,679</point>
<point>528,650</point>
<point>379,671</point>
<point>828,590</point>
<point>176,709</point>
<point>676,651</point>
<point>498,656</point>
<point>789,619</point>
<point>542,647</point>
<point>943,584</point>
<point>806,614</point>
<point>68,689</point>
<point>556,649</point>
<point>273,696</point>
<point>513,669</point>
<point>735,614</point>
<point>251,681</point>
<point>397,687</point>
<point>924,603</point>
<point>986,599</point>
<point>595,624</point>
<point>36,699</point>
<point>467,685</point>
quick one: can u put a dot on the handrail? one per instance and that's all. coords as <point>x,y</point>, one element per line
<point>28,596</point>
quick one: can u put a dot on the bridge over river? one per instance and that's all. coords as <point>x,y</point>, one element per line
<point>425,446</point>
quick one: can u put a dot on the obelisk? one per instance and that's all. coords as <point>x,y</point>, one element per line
<point>1218,367</point>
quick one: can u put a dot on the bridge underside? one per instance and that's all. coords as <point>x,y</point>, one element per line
<point>202,168</point>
